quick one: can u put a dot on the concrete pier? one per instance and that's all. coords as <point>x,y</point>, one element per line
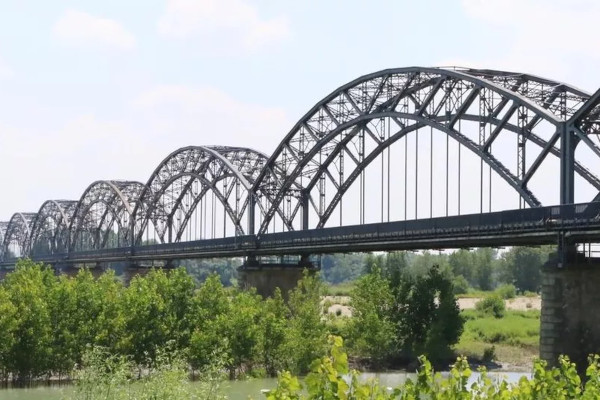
<point>266,277</point>
<point>570,319</point>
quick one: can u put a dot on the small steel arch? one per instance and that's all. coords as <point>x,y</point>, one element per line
<point>122,195</point>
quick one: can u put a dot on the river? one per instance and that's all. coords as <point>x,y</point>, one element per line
<point>235,390</point>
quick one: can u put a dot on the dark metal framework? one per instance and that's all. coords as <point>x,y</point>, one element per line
<point>327,152</point>
<point>102,216</point>
<point>50,228</point>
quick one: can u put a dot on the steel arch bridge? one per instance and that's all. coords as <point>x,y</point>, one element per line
<point>396,146</point>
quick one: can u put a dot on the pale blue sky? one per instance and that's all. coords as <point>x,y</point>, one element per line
<point>106,89</point>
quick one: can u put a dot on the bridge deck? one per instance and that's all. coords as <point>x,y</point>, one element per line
<point>532,226</point>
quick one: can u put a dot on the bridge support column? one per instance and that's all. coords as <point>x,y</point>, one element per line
<point>570,320</point>
<point>142,268</point>
<point>65,269</point>
<point>265,277</point>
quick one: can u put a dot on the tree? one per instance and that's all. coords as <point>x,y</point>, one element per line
<point>274,322</point>
<point>240,326</point>
<point>306,338</point>
<point>371,328</point>
<point>157,308</point>
<point>337,268</point>
<point>484,269</point>
<point>427,316</point>
<point>28,289</point>
<point>8,326</point>
<point>521,266</point>
<point>211,305</point>
<point>462,263</point>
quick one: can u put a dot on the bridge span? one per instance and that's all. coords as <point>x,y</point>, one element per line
<point>404,158</point>
<point>534,226</point>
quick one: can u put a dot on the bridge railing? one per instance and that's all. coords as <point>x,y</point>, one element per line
<point>470,227</point>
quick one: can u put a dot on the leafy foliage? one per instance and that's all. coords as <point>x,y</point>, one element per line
<point>48,322</point>
<point>491,305</point>
<point>399,315</point>
<point>327,381</point>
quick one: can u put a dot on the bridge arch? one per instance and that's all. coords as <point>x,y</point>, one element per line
<point>183,181</point>
<point>490,102</point>
<point>17,233</point>
<point>50,228</point>
<point>102,216</point>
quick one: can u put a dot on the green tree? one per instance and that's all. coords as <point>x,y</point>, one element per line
<point>8,326</point>
<point>337,268</point>
<point>156,312</point>
<point>462,263</point>
<point>427,316</point>
<point>273,323</point>
<point>211,305</point>
<point>240,326</point>
<point>28,289</point>
<point>521,266</point>
<point>371,328</point>
<point>484,258</point>
<point>109,324</point>
<point>306,339</point>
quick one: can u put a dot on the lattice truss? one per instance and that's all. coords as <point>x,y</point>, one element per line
<point>102,218</point>
<point>511,122</point>
<point>187,186</point>
<point>50,228</point>
<point>328,150</point>
<point>17,235</point>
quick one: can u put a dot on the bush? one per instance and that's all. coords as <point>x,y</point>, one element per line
<point>491,305</point>
<point>489,354</point>
<point>507,291</point>
<point>460,285</point>
<point>330,378</point>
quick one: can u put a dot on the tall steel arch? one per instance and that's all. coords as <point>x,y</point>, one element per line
<point>183,180</point>
<point>359,120</point>
<point>102,215</point>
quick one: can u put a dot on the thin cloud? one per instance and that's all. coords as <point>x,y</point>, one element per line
<point>545,37</point>
<point>77,28</point>
<point>222,24</point>
<point>209,116</point>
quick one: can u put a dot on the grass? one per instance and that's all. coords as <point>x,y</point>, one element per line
<point>515,337</point>
<point>474,294</point>
<point>341,289</point>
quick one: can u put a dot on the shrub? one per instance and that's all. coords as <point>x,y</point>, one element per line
<point>330,379</point>
<point>491,305</point>
<point>507,291</point>
<point>460,285</point>
<point>489,354</point>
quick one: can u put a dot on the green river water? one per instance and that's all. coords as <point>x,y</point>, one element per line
<point>236,390</point>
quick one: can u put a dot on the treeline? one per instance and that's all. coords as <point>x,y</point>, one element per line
<point>481,269</point>
<point>47,322</point>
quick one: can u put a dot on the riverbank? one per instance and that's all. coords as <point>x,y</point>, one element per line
<point>507,344</point>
